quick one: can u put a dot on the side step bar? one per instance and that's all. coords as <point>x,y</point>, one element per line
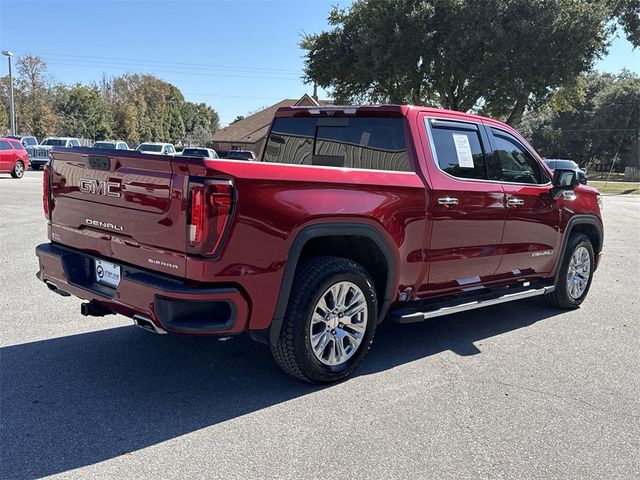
<point>419,316</point>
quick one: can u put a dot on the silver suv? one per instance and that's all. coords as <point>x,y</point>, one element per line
<point>39,154</point>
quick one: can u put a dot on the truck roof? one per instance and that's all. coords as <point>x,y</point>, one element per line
<point>382,109</point>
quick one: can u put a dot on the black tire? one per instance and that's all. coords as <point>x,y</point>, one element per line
<point>18,170</point>
<point>35,167</point>
<point>561,297</point>
<point>293,351</point>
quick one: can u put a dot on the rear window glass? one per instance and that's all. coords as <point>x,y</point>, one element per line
<point>350,142</point>
<point>238,155</point>
<point>459,151</point>
<point>553,164</point>
<point>195,152</point>
<point>150,148</point>
<point>56,142</point>
<point>104,145</point>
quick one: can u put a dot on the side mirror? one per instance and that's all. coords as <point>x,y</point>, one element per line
<point>565,179</point>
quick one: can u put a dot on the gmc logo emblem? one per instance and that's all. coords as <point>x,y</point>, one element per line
<point>96,187</point>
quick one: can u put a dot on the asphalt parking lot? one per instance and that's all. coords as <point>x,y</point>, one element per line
<point>515,391</point>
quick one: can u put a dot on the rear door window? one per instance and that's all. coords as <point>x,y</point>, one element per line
<point>458,149</point>
<point>350,142</point>
<point>4,145</point>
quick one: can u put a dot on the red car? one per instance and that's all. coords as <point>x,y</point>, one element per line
<point>14,159</point>
<point>353,215</point>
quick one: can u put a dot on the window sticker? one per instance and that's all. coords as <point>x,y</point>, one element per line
<point>463,150</point>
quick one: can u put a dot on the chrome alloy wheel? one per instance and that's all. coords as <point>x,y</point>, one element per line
<point>19,169</point>
<point>338,323</point>
<point>578,272</point>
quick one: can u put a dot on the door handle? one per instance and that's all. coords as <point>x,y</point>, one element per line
<point>515,202</point>
<point>448,201</point>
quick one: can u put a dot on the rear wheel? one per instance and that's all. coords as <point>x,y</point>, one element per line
<point>575,275</point>
<point>330,321</point>
<point>18,170</point>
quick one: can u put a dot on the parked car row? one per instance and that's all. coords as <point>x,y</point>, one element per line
<point>14,159</point>
<point>19,152</point>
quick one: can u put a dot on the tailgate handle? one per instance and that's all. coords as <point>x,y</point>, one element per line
<point>99,163</point>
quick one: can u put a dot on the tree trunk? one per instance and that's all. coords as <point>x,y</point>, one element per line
<point>518,109</point>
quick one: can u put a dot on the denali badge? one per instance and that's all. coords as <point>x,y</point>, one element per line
<point>96,187</point>
<point>162,264</point>
<point>542,254</point>
<point>98,223</point>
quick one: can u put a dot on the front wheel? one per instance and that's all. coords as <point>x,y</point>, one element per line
<point>330,321</point>
<point>576,273</point>
<point>18,170</point>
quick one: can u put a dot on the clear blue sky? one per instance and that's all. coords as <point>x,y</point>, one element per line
<point>236,56</point>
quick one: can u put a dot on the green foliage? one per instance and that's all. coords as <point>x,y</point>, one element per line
<point>601,126</point>
<point>33,97</point>
<point>495,55</point>
<point>82,112</point>
<point>131,107</point>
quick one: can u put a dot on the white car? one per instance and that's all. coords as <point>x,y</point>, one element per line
<point>156,148</point>
<point>39,154</point>
<point>112,144</point>
<point>199,152</point>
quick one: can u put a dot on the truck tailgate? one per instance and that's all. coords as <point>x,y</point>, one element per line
<point>125,205</point>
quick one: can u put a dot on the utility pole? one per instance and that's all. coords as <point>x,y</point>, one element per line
<point>12,109</point>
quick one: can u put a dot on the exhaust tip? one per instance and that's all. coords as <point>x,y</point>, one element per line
<point>54,288</point>
<point>147,324</point>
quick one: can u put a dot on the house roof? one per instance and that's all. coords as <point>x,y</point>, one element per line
<point>256,126</point>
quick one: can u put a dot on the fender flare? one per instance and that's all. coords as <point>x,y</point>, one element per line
<point>580,219</point>
<point>330,230</point>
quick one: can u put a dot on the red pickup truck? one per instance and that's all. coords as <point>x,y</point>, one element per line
<point>351,216</point>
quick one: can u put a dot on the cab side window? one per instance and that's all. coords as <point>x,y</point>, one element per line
<point>515,164</point>
<point>458,149</point>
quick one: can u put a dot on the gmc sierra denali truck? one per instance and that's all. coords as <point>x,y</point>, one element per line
<point>353,215</point>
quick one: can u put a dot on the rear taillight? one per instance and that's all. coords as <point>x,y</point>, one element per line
<point>45,191</point>
<point>209,213</point>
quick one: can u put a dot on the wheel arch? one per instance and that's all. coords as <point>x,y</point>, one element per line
<point>591,226</point>
<point>320,239</point>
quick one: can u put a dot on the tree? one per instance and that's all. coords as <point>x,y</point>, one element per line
<point>33,104</point>
<point>82,112</point>
<point>4,105</point>
<point>237,119</point>
<point>616,118</point>
<point>594,127</point>
<point>495,56</point>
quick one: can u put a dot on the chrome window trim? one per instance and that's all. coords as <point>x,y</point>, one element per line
<point>345,169</point>
<point>434,155</point>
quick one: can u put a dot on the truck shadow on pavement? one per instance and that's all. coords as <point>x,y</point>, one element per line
<point>74,401</point>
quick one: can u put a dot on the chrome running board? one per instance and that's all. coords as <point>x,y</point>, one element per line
<point>419,316</point>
